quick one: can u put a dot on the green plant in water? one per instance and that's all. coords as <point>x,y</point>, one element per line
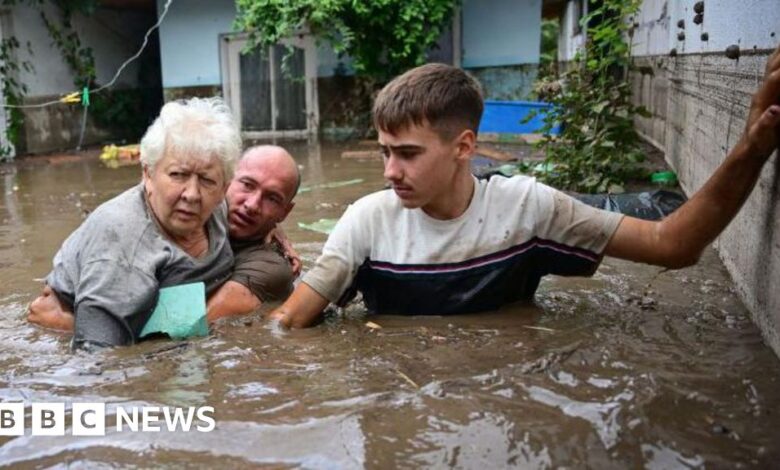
<point>598,148</point>
<point>383,37</point>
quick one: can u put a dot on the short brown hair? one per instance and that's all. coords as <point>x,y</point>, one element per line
<point>444,97</point>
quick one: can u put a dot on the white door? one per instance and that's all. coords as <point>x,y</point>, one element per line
<point>273,92</point>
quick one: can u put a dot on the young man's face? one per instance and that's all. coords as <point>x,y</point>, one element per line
<point>421,167</point>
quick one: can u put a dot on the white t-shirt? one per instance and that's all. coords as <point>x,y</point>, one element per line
<point>514,231</point>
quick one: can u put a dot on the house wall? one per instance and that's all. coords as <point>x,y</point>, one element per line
<point>113,36</point>
<point>189,45</point>
<point>570,38</point>
<point>500,45</point>
<point>699,99</point>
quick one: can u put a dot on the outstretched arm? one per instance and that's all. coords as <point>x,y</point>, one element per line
<point>302,309</point>
<point>678,240</point>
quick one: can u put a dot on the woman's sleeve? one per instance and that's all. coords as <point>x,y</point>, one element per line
<point>113,303</point>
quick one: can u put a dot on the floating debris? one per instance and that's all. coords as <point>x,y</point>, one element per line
<point>334,184</point>
<point>373,326</point>
<point>408,380</point>
<point>361,154</point>
<point>115,157</point>
<point>322,226</point>
<point>540,328</point>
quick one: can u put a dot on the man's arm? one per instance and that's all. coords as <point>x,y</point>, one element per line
<point>231,299</point>
<point>678,240</point>
<point>302,309</point>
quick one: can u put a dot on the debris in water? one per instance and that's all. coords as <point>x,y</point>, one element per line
<point>732,52</point>
<point>334,184</point>
<point>361,154</point>
<point>540,328</point>
<point>407,379</point>
<point>114,156</point>
<point>438,339</point>
<point>373,326</point>
<point>322,226</point>
<point>544,363</point>
<point>721,429</point>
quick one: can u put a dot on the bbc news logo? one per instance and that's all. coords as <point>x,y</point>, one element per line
<point>89,419</point>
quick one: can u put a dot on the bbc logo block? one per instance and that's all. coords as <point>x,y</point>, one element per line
<point>89,419</point>
<point>11,419</point>
<point>49,419</point>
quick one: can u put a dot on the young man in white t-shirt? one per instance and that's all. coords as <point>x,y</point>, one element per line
<point>442,242</point>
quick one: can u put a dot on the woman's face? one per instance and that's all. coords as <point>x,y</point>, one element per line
<point>183,191</point>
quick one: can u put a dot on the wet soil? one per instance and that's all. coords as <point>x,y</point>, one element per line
<point>634,367</point>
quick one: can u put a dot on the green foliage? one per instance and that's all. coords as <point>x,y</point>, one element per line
<point>548,56</point>
<point>78,57</point>
<point>598,148</point>
<point>383,37</point>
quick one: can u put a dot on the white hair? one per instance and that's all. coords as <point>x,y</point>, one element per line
<point>201,128</point>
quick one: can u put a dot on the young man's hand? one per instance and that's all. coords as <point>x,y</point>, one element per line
<point>762,132</point>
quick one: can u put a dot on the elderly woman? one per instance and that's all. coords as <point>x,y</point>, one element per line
<point>168,230</point>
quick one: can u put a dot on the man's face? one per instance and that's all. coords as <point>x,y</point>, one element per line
<point>421,167</point>
<point>259,196</point>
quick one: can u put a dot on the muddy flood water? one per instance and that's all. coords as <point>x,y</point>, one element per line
<point>634,368</point>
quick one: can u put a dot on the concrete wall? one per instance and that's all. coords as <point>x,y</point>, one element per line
<point>700,99</point>
<point>500,45</point>
<point>113,36</point>
<point>570,38</point>
<point>189,41</point>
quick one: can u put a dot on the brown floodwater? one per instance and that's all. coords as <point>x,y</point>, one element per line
<point>634,367</point>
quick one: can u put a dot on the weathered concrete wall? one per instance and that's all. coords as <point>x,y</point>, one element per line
<point>514,82</point>
<point>501,32</point>
<point>699,99</point>
<point>178,93</point>
<point>700,103</point>
<point>570,38</point>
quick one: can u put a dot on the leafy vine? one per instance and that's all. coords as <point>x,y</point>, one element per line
<point>598,147</point>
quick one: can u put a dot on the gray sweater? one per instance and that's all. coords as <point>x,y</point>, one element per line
<point>109,270</point>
